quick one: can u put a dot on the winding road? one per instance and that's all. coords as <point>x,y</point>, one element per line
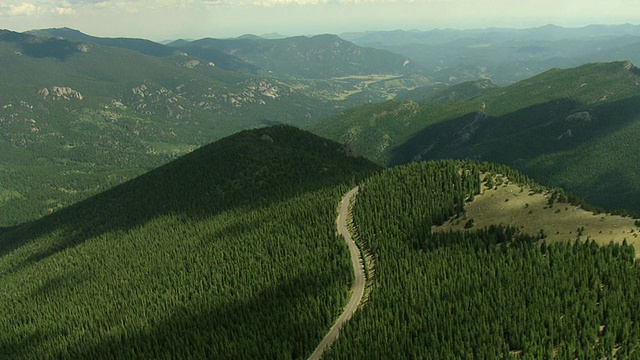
<point>357,289</point>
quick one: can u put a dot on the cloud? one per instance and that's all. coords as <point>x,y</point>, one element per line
<point>22,9</point>
<point>65,11</point>
<point>328,2</point>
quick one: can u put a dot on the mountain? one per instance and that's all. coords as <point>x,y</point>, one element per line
<point>227,252</point>
<point>566,127</point>
<point>317,57</point>
<point>230,252</point>
<point>142,46</point>
<point>218,58</point>
<point>505,55</point>
<point>77,117</point>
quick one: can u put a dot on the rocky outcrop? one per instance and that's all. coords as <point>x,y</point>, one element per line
<point>191,64</point>
<point>60,93</point>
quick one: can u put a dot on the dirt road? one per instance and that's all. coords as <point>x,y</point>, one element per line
<point>357,289</point>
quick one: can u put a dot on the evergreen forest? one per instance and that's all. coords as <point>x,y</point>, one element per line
<point>229,252</point>
<point>491,293</point>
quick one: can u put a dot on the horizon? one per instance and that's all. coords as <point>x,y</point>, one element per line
<point>276,35</point>
<point>161,20</point>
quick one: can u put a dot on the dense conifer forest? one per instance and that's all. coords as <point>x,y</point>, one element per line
<point>230,252</point>
<point>487,294</point>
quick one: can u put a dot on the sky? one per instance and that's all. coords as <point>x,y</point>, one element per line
<point>192,19</point>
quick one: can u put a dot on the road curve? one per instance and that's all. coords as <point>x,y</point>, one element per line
<point>357,289</point>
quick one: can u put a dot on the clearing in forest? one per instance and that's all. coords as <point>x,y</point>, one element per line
<point>520,206</point>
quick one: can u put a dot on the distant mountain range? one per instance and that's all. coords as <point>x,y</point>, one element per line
<point>321,56</point>
<point>505,55</point>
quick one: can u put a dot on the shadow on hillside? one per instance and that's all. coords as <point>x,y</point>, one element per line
<point>518,136</point>
<point>268,325</point>
<point>55,48</point>
<point>615,190</point>
<point>521,136</point>
<point>36,47</point>
<point>249,170</point>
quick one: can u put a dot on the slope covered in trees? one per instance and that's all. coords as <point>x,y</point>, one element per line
<point>572,128</point>
<point>77,118</point>
<point>80,114</point>
<point>491,293</point>
<point>228,252</point>
<point>232,252</point>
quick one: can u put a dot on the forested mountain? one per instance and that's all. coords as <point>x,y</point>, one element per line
<point>142,46</point>
<point>227,252</point>
<point>505,55</point>
<point>491,293</point>
<point>231,252</point>
<point>566,127</point>
<point>77,117</point>
<point>122,236</point>
<point>321,56</point>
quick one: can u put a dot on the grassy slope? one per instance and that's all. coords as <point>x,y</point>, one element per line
<point>228,252</point>
<point>520,206</point>
<point>527,125</point>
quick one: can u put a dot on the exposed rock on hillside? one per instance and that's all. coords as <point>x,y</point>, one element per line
<point>60,93</point>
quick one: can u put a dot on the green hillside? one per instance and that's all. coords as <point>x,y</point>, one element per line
<point>227,252</point>
<point>142,46</point>
<point>491,293</point>
<point>566,127</point>
<point>441,92</point>
<point>231,252</point>
<point>77,117</point>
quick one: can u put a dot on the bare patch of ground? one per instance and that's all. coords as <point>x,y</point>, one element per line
<point>513,205</point>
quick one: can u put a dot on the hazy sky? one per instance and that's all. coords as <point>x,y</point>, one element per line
<point>171,19</point>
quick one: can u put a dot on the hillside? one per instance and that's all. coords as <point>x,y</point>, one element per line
<point>566,127</point>
<point>488,293</point>
<point>534,211</point>
<point>142,46</point>
<point>227,252</point>
<point>231,252</point>
<point>77,117</point>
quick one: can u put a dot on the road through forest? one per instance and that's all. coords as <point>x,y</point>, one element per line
<point>357,289</point>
